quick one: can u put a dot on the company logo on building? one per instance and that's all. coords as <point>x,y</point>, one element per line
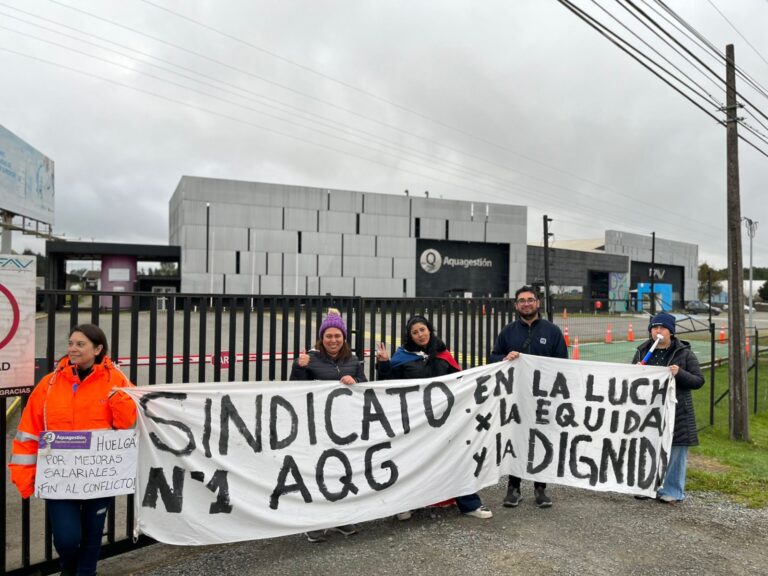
<point>431,261</point>
<point>15,263</point>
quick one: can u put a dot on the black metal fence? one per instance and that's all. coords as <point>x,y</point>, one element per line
<point>168,338</point>
<point>162,338</point>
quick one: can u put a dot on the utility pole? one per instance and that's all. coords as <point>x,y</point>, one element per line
<point>6,221</point>
<point>739,401</point>
<point>653,273</point>
<point>547,299</point>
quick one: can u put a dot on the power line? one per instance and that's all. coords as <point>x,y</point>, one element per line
<point>704,94</point>
<point>326,121</point>
<point>346,129</point>
<point>282,105</point>
<point>600,29</point>
<point>502,194</point>
<point>755,50</point>
<point>703,40</point>
<point>320,100</point>
<point>335,149</point>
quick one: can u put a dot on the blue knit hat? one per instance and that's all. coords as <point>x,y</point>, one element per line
<point>663,319</point>
<point>333,320</point>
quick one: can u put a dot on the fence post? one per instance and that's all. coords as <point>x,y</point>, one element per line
<point>756,364</point>
<point>711,373</point>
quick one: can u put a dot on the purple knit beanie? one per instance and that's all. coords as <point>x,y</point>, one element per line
<point>332,320</point>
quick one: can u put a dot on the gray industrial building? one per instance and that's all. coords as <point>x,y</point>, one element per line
<point>259,238</point>
<point>619,268</point>
<point>592,270</point>
<point>675,264</point>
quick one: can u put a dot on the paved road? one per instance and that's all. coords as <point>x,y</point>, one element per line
<point>585,533</point>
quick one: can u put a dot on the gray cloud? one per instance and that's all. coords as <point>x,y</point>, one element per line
<point>525,103</point>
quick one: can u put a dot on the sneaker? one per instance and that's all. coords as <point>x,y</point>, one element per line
<point>315,536</point>
<point>666,499</point>
<point>346,530</point>
<point>542,500</point>
<point>403,516</point>
<point>513,497</point>
<point>482,512</point>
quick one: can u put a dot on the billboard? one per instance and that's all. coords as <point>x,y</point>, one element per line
<point>452,268</point>
<point>640,272</point>
<point>17,324</point>
<point>26,179</point>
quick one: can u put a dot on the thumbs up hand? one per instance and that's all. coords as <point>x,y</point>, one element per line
<point>303,361</point>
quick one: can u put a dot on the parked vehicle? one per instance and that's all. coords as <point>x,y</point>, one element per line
<point>746,308</point>
<point>699,307</point>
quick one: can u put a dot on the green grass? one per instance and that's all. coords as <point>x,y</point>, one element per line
<point>738,469</point>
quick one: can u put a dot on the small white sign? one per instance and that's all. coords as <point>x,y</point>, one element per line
<point>119,274</point>
<point>86,464</point>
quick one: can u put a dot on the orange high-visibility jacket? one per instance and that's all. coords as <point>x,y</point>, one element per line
<point>60,401</point>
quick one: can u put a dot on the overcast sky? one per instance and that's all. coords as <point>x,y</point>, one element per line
<point>514,102</point>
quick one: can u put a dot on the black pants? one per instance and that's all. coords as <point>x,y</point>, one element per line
<point>77,527</point>
<point>514,482</point>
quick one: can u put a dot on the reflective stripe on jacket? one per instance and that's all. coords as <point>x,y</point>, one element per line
<point>60,401</point>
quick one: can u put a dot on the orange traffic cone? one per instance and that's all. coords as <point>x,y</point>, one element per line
<point>722,333</point>
<point>748,347</point>
<point>630,334</point>
<point>565,336</point>
<point>575,353</point>
<point>608,335</point>
<point>565,313</point>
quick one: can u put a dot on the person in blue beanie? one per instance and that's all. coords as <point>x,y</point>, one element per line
<point>682,362</point>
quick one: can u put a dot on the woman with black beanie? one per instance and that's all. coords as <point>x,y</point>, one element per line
<point>424,355</point>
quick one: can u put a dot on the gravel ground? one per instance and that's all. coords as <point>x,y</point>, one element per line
<point>584,533</point>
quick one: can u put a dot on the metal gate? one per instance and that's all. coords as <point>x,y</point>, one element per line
<point>167,338</point>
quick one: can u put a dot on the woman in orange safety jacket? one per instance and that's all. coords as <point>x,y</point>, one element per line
<point>80,394</point>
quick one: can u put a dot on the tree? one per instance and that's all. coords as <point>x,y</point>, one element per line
<point>42,262</point>
<point>704,273</point>
<point>762,292</point>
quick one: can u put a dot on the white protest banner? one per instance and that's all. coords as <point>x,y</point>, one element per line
<point>86,464</point>
<point>17,324</point>
<point>240,461</point>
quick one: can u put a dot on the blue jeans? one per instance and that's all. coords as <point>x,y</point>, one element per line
<point>77,527</point>
<point>674,481</point>
<point>468,503</point>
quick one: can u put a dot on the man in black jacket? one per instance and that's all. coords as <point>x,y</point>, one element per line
<point>529,334</point>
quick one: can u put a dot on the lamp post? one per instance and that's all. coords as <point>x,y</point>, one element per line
<point>207,234</point>
<point>751,229</point>
<point>653,272</point>
<point>547,295</point>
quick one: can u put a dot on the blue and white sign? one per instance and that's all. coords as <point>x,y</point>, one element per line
<point>26,179</point>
